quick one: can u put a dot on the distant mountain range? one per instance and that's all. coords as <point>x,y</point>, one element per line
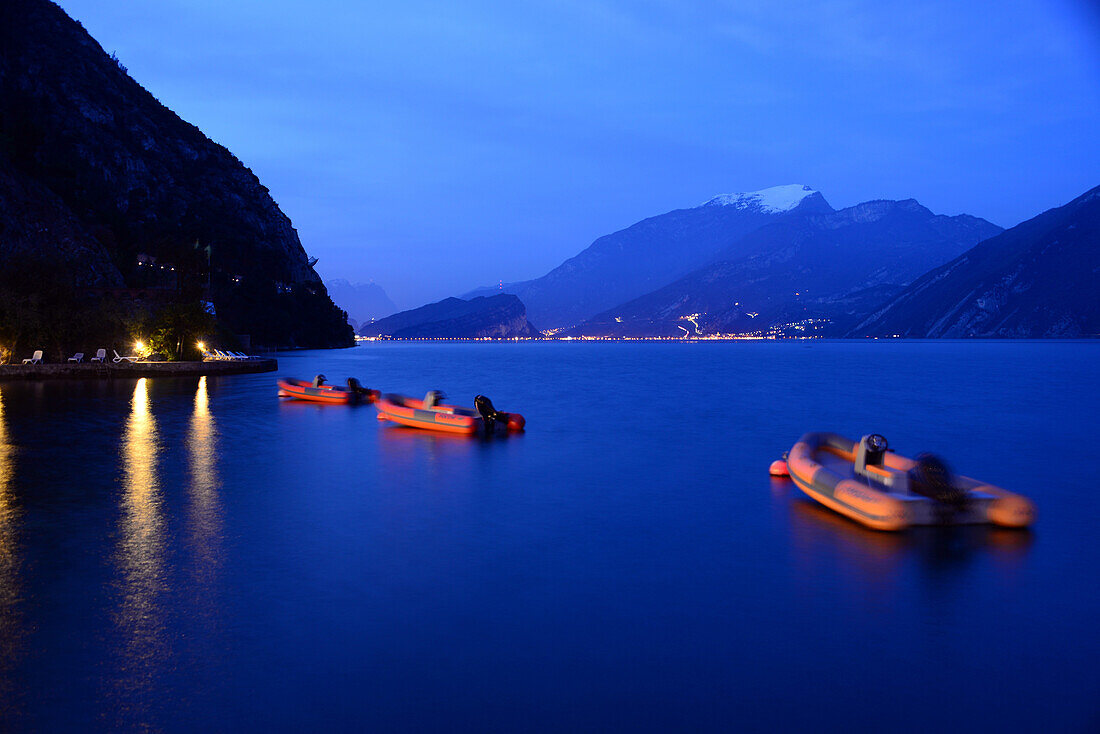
<point>364,302</point>
<point>782,262</point>
<point>1040,278</point>
<point>652,253</point>
<point>808,271</point>
<point>502,316</point>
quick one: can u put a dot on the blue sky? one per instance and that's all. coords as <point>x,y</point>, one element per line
<point>437,146</point>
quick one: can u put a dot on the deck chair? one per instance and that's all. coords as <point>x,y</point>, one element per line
<point>119,358</point>
<point>100,356</point>
<point>36,358</point>
<point>78,357</point>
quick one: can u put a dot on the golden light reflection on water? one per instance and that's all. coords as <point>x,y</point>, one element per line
<point>141,548</point>
<point>10,629</point>
<point>7,461</point>
<point>204,504</point>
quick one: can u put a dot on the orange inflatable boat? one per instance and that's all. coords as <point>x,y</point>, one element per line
<point>430,414</point>
<point>862,480</point>
<point>318,392</point>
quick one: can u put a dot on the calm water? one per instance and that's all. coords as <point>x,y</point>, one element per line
<point>195,555</point>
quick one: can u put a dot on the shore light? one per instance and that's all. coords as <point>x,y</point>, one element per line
<point>201,346</point>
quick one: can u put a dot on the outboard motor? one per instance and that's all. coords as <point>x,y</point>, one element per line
<point>931,478</point>
<point>490,415</point>
<point>360,393</point>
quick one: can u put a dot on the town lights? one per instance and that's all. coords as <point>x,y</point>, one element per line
<point>201,346</point>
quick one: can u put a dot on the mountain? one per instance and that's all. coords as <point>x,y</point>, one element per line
<point>87,153</point>
<point>652,253</point>
<point>804,273</point>
<point>364,302</point>
<point>1040,278</point>
<point>501,316</point>
<point>34,221</point>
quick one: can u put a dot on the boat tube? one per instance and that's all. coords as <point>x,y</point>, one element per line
<point>432,415</point>
<point>318,392</point>
<point>882,490</point>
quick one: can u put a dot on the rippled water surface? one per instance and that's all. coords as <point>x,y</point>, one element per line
<point>193,554</point>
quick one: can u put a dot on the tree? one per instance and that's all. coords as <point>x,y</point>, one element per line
<point>176,329</point>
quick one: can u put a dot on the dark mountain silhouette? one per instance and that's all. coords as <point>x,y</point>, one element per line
<point>1040,278</point>
<point>653,253</point>
<point>804,274</point>
<point>502,316</point>
<point>96,172</point>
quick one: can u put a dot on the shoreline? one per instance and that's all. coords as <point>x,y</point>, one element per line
<point>134,369</point>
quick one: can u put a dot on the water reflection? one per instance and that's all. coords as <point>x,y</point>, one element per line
<point>943,553</point>
<point>436,455</point>
<point>10,631</point>
<point>7,507</point>
<point>204,505</point>
<point>141,550</point>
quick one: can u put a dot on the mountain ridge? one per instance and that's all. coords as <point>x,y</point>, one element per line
<point>1037,279</point>
<point>817,267</point>
<point>648,254</point>
<point>502,316</point>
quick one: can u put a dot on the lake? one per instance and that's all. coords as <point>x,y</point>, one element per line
<point>193,554</point>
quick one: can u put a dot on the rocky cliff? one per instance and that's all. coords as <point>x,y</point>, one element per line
<point>116,180</point>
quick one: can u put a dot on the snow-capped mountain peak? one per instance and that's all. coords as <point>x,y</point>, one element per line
<point>772,200</point>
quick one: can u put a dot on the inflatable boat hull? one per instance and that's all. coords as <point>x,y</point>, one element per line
<point>331,394</point>
<point>410,412</point>
<point>823,466</point>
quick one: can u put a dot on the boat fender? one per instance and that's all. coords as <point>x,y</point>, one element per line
<point>779,469</point>
<point>516,422</point>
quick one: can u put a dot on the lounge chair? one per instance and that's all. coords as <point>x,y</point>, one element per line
<point>119,358</point>
<point>78,357</point>
<point>36,358</point>
<point>100,356</point>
